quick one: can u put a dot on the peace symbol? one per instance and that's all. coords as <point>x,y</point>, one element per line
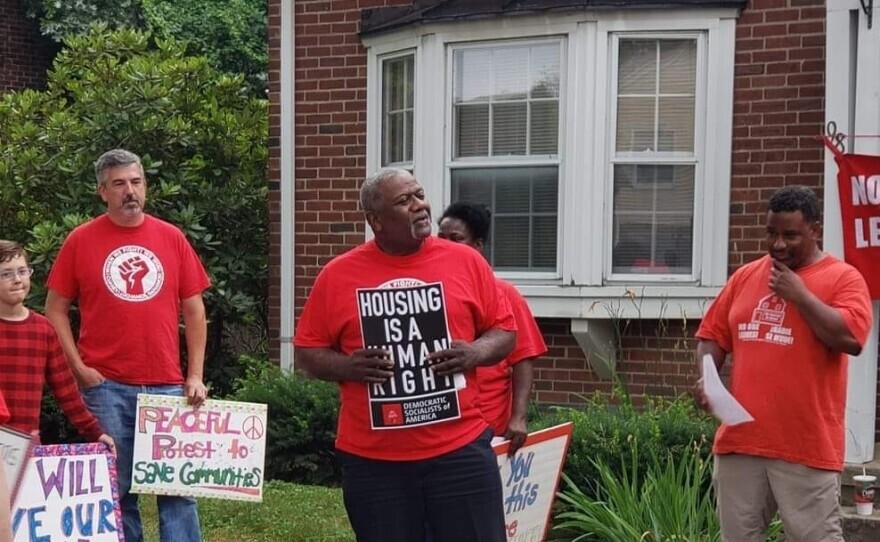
<point>252,427</point>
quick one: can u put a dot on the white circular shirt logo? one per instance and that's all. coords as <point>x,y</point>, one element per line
<point>133,273</point>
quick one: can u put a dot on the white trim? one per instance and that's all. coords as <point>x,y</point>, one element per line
<point>287,197</point>
<point>584,125</point>
<point>852,76</point>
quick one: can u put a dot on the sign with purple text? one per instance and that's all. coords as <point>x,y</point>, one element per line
<point>215,451</point>
<point>530,479</point>
<point>15,448</point>
<point>68,494</point>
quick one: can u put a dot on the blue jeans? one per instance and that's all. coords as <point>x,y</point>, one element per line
<point>115,406</point>
<point>455,497</point>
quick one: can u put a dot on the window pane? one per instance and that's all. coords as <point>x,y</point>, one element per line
<point>472,130</point>
<point>678,66</point>
<point>637,67</point>
<point>545,71</point>
<point>511,80</point>
<point>653,219</point>
<point>521,84</point>
<point>509,128</point>
<point>397,109</point>
<point>656,95</point>
<point>525,213</point>
<point>635,125</point>
<point>472,68</point>
<point>544,136</point>
<point>676,132</point>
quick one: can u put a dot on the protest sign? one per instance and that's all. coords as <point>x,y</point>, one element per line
<point>858,181</point>
<point>530,479</point>
<point>15,448</point>
<point>215,451</point>
<point>407,317</point>
<point>68,494</point>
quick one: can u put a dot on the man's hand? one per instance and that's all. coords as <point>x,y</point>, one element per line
<point>195,391</point>
<point>370,365</point>
<point>785,283</point>
<point>108,440</point>
<point>700,396</point>
<point>460,357</point>
<point>517,431</point>
<point>88,377</point>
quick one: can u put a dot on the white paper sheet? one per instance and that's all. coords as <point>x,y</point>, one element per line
<point>722,404</point>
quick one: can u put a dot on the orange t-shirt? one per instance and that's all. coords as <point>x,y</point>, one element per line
<point>407,305</point>
<point>790,382</point>
<point>495,380</point>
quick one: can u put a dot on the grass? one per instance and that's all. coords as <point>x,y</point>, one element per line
<point>288,513</point>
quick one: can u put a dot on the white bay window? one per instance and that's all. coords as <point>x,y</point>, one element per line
<point>600,140</point>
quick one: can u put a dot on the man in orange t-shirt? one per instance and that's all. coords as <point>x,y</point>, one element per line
<point>788,320</point>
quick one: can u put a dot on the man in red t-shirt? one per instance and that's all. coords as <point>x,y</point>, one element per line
<point>133,275</point>
<point>504,387</point>
<point>402,322</point>
<point>788,320</point>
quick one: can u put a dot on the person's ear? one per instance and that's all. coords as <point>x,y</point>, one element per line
<point>373,221</point>
<point>479,245</point>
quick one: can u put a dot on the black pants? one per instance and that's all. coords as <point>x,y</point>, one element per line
<point>456,496</point>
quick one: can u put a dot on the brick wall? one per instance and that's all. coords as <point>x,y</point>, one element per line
<point>778,107</point>
<point>24,54</point>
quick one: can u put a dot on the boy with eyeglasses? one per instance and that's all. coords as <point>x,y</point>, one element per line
<point>31,356</point>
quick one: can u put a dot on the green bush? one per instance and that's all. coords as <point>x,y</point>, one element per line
<point>301,425</point>
<point>604,432</point>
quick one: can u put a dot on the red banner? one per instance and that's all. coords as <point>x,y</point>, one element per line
<point>858,181</point>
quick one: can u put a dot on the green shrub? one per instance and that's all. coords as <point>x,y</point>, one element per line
<point>603,432</point>
<point>669,500</point>
<point>301,425</point>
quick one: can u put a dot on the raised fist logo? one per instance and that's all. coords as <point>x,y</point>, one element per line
<point>133,271</point>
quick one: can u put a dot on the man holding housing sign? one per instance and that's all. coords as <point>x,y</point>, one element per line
<point>401,323</point>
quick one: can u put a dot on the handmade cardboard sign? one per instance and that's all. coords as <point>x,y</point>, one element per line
<point>530,479</point>
<point>68,494</point>
<point>15,448</point>
<point>217,450</point>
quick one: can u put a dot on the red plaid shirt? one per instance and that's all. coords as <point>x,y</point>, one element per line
<point>30,356</point>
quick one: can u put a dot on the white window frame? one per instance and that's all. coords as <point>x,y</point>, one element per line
<point>407,165</point>
<point>671,158</point>
<point>582,287</point>
<point>556,160</point>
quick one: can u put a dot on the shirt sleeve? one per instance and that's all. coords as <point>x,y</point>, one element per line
<point>529,340</point>
<point>64,388</point>
<point>715,325</point>
<point>193,276</point>
<point>496,309</point>
<point>62,276</point>
<point>314,327</point>
<point>853,300</point>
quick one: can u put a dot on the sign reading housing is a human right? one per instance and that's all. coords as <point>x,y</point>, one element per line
<point>408,318</point>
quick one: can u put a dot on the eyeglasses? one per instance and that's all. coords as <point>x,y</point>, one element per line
<point>10,274</point>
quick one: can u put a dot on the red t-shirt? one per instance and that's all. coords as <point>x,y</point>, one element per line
<point>790,382</point>
<point>129,283</point>
<point>406,304</point>
<point>495,380</point>
<point>4,412</point>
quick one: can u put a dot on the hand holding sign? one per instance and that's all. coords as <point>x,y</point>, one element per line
<point>370,365</point>
<point>458,358</point>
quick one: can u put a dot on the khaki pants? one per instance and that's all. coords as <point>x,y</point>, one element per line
<point>751,489</point>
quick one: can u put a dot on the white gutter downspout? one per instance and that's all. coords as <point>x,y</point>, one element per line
<point>287,183</point>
